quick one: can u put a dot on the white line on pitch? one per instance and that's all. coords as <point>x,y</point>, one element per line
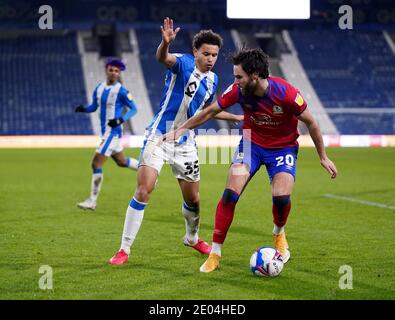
<point>369,203</point>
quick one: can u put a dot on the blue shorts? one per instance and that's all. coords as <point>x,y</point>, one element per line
<point>275,160</point>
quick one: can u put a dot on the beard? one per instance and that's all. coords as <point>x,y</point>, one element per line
<point>249,88</point>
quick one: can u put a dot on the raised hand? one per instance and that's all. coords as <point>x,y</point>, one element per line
<point>168,34</point>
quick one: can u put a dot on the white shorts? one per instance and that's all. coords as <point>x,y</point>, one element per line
<point>183,158</point>
<point>110,144</point>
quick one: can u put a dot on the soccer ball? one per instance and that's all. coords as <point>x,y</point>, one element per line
<point>266,262</point>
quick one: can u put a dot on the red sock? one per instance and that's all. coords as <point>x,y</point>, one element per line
<point>281,209</point>
<point>224,215</point>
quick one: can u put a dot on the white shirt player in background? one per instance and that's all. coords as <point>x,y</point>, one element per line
<point>110,97</point>
<point>190,85</point>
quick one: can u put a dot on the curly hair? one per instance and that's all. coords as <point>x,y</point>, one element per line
<point>207,37</point>
<point>252,60</point>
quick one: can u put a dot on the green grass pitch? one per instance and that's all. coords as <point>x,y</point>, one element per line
<point>41,225</point>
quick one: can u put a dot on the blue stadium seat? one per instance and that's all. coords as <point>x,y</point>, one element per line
<point>350,69</point>
<point>44,80</point>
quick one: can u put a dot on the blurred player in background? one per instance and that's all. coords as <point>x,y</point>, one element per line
<point>271,108</point>
<point>190,85</point>
<point>110,96</point>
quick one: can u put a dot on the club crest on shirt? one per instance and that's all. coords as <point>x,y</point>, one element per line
<point>277,109</point>
<point>240,155</point>
<point>299,100</point>
<point>130,97</point>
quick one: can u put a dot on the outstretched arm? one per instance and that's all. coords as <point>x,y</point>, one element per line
<point>128,101</point>
<point>315,133</point>
<point>91,108</point>
<point>223,115</point>
<point>168,36</point>
<point>197,120</point>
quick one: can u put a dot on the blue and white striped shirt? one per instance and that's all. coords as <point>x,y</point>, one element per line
<point>111,99</point>
<point>187,91</point>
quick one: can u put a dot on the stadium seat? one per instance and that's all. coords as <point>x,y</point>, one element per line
<point>44,82</point>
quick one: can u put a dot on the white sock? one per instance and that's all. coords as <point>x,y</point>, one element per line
<point>278,230</point>
<point>133,163</point>
<point>216,248</point>
<point>133,219</point>
<point>192,219</point>
<point>97,180</point>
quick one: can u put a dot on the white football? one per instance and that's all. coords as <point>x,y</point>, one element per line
<point>266,262</point>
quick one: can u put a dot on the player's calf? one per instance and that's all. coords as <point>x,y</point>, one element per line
<point>281,208</point>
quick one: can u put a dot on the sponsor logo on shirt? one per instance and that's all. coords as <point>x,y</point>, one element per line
<point>264,120</point>
<point>277,109</point>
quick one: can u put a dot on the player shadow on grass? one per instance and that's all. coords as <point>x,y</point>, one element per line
<point>208,226</point>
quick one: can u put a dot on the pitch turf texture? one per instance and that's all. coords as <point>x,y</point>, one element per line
<point>41,225</point>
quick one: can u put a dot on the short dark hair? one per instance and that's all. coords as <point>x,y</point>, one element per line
<point>206,37</point>
<point>252,60</point>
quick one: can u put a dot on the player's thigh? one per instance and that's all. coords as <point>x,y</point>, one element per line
<point>190,191</point>
<point>282,184</point>
<point>152,155</point>
<point>246,162</point>
<point>238,177</point>
<point>146,180</point>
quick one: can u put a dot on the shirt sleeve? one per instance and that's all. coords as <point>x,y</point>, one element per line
<point>93,106</point>
<point>127,100</point>
<point>179,66</point>
<point>296,101</point>
<point>229,97</point>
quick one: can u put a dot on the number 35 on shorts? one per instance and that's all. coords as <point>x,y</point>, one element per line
<point>288,160</point>
<point>191,167</point>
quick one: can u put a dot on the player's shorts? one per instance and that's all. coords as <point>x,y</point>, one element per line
<point>110,144</point>
<point>276,160</point>
<point>183,158</point>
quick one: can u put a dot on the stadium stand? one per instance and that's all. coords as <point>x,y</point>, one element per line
<point>43,82</point>
<point>353,74</point>
<point>351,70</point>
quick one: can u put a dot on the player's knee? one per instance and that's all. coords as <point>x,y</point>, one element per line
<point>95,166</point>
<point>122,164</point>
<point>281,201</point>
<point>230,196</point>
<point>142,193</point>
